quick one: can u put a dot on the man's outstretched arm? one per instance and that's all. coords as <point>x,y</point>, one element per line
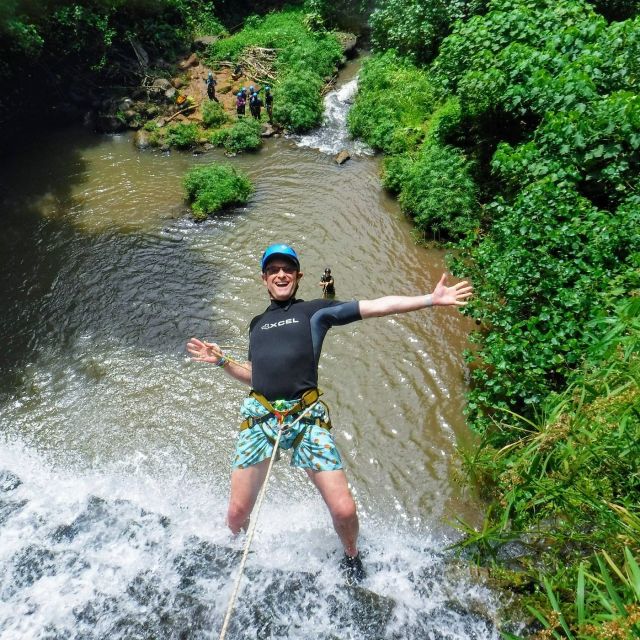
<point>211,352</point>
<point>442,296</point>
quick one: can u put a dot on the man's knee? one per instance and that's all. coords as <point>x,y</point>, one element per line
<point>343,509</point>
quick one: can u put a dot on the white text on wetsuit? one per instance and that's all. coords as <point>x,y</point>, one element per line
<point>271,325</point>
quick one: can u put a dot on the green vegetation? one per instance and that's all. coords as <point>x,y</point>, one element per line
<point>522,152</point>
<point>182,135</point>
<point>243,135</point>
<point>415,29</point>
<point>213,115</point>
<point>304,60</point>
<point>212,187</point>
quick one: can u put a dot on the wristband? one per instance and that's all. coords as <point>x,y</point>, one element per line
<point>429,300</point>
<point>221,362</point>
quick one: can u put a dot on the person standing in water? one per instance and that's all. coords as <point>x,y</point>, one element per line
<point>285,343</point>
<point>327,283</point>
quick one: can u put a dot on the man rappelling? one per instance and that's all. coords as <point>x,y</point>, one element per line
<point>285,343</point>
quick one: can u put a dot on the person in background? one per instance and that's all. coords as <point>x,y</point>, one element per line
<point>328,284</point>
<point>285,343</point>
<point>241,103</point>
<point>268,101</point>
<point>255,104</point>
<point>211,87</point>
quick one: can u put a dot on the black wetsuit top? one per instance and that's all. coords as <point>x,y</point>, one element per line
<point>285,344</point>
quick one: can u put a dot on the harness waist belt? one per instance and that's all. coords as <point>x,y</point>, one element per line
<point>308,398</point>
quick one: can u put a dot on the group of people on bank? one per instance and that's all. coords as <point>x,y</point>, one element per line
<point>245,96</point>
<point>252,96</point>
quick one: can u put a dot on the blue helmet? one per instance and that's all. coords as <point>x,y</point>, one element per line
<point>267,88</point>
<point>282,250</point>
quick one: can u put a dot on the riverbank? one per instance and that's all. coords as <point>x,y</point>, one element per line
<point>501,147</point>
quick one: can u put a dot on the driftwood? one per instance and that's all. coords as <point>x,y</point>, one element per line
<point>191,107</point>
<point>256,62</point>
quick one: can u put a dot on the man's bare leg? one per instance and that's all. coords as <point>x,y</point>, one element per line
<point>334,490</point>
<point>245,487</point>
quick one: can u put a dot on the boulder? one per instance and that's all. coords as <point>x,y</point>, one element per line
<point>348,42</point>
<point>125,104</point>
<point>161,83</point>
<point>342,157</point>
<point>170,94</point>
<point>177,83</point>
<point>267,130</point>
<point>141,139</point>
<point>203,43</point>
<point>151,110</point>
<point>191,61</point>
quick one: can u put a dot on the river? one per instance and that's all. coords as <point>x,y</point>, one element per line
<point>115,448</point>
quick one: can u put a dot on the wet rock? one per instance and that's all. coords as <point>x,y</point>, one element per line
<point>89,120</point>
<point>8,481</point>
<point>141,93</point>
<point>32,563</point>
<point>125,104</point>
<point>342,157</point>
<point>10,507</point>
<point>348,42</point>
<point>201,559</point>
<point>141,139</point>
<point>267,130</point>
<point>151,110</point>
<point>191,61</point>
<point>177,83</point>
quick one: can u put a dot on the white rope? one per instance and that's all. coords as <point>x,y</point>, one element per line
<point>254,520</point>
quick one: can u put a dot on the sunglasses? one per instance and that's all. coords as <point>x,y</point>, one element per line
<point>273,270</point>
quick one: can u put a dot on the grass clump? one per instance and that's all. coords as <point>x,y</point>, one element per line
<point>212,187</point>
<point>394,104</point>
<point>213,114</point>
<point>182,135</point>
<point>243,135</point>
<point>569,484</point>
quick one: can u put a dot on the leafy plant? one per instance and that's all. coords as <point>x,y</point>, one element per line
<point>436,190</point>
<point>212,187</point>
<point>183,135</point>
<point>213,114</point>
<point>244,135</point>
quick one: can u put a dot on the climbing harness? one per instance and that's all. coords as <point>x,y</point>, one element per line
<point>308,399</point>
<point>252,525</point>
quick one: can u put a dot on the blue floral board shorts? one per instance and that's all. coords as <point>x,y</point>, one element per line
<point>316,451</point>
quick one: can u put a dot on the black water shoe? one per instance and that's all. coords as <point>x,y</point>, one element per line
<point>352,569</point>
